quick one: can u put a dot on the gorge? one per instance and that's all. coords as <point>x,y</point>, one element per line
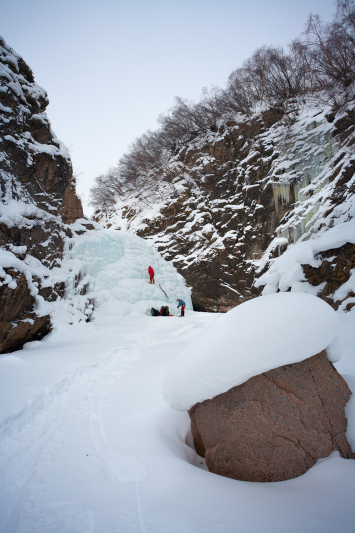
<point>239,415</point>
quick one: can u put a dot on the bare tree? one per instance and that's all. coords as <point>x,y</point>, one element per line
<point>321,60</point>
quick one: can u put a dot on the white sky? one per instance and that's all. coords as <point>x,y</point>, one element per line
<point>111,67</point>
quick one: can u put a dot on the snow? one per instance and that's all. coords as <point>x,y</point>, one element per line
<point>286,271</point>
<point>8,259</point>
<point>22,214</point>
<point>254,337</point>
<point>87,443</point>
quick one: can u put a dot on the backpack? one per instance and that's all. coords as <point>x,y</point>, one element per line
<point>164,311</point>
<point>155,312</point>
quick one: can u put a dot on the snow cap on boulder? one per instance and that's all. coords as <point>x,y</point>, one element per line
<point>254,337</point>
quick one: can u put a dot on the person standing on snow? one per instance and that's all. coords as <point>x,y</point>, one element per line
<point>182,305</point>
<point>151,274</point>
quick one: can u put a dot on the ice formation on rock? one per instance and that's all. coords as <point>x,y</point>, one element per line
<point>109,267</point>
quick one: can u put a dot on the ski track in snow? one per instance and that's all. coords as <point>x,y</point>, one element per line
<point>23,437</point>
<point>117,466</point>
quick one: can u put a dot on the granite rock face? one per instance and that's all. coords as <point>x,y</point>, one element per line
<point>37,200</point>
<point>276,425</point>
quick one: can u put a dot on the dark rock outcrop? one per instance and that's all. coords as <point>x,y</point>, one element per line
<point>37,200</point>
<point>18,322</point>
<point>334,271</point>
<point>276,425</point>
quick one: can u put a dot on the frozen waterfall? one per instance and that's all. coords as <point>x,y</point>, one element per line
<point>109,268</point>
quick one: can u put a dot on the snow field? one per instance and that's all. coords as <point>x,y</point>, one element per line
<point>87,443</point>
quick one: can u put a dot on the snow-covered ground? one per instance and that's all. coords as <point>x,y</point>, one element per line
<point>87,442</point>
<point>88,445</point>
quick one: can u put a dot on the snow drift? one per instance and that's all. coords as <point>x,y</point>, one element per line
<point>257,336</point>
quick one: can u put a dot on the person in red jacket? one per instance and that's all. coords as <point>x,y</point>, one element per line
<point>151,274</point>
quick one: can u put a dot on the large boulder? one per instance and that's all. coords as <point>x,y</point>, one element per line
<point>276,425</point>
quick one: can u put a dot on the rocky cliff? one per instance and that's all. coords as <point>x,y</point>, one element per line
<point>38,201</point>
<point>240,194</point>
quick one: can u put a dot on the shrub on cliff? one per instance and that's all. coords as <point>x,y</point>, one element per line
<point>321,60</point>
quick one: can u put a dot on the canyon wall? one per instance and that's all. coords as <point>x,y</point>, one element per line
<point>239,195</point>
<point>38,201</point>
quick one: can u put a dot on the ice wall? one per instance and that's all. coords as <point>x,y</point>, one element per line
<point>109,268</point>
<point>303,167</point>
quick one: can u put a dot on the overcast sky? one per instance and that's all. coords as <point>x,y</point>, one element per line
<point>111,67</point>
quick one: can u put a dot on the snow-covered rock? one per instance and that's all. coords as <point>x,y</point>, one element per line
<point>277,424</point>
<point>259,335</point>
<point>322,265</point>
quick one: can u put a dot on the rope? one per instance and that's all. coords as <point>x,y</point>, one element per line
<point>161,288</point>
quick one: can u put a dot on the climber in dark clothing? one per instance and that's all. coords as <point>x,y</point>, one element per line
<point>182,305</point>
<point>151,274</point>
